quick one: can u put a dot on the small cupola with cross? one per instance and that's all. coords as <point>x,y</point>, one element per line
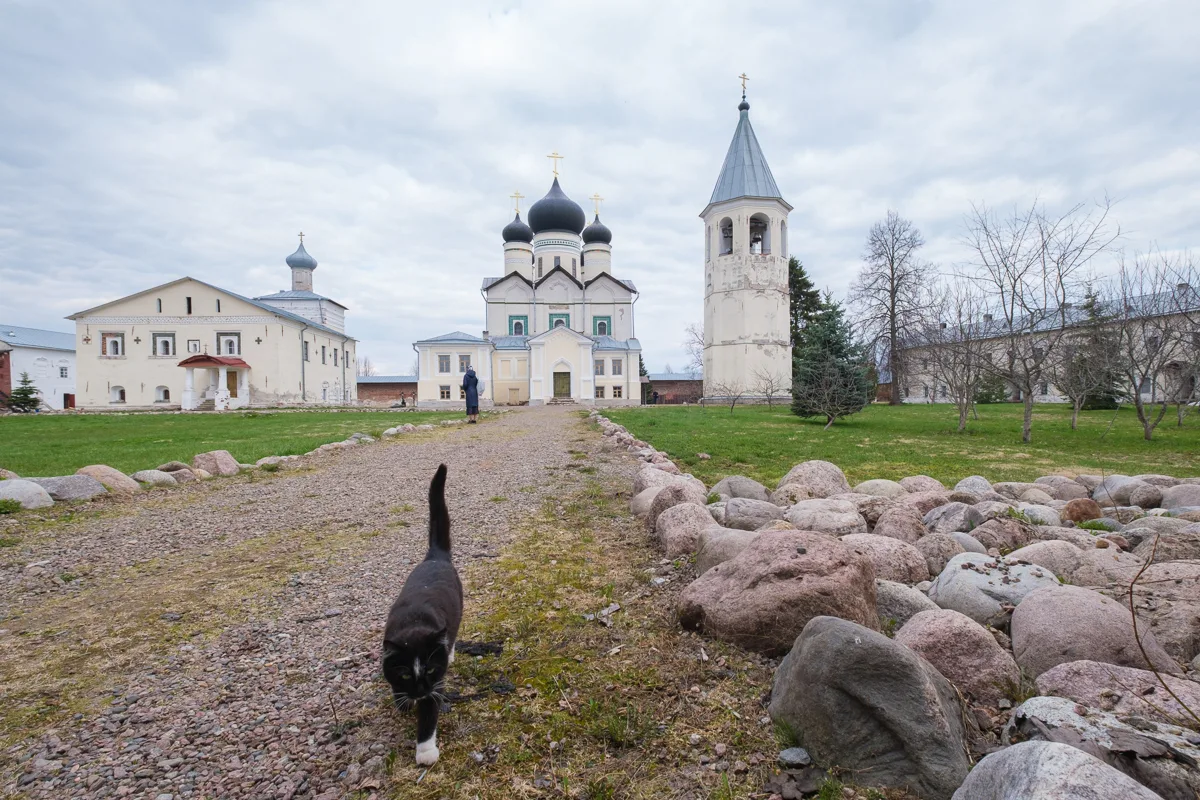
<point>302,266</point>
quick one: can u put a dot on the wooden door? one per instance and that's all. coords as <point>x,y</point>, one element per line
<point>68,401</point>
<point>562,384</point>
<point>231,382</point>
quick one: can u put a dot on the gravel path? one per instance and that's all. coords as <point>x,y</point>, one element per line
<point>269,703</point>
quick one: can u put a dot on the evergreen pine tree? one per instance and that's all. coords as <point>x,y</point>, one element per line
<point>24,397</point>
<point>1102,349</point>
<point>805,302</point>
<point>829,370</point>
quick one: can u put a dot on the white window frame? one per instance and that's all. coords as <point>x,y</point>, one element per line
<point>599,392</point>
<point>446,362</point>
<point>443,392</point>
<point>230,336</point>
<point>598,367</point>
<point>163,337</point>
<point>107,339</point>
<point>617,368</point>
<point>618,393</point>
<point>64,372</point>
<point>193,345</point>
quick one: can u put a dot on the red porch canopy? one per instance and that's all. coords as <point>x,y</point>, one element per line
<point>213,361</point>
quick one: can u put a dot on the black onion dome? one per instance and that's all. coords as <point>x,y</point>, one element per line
<point>597,232</point>
<point>517,231</point>
<point>556,212</point>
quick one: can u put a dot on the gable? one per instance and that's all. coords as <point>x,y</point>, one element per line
<point>174,298</point>
<point>605,283</point>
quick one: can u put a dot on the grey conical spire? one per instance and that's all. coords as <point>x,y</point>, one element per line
<point>745,172</point>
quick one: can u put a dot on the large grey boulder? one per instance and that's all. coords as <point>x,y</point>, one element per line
<point>1004,534</point>
<point>968,542</point>
<point>640,504</point>
<point>835,517</point>
<point>948,518</point>
<point>741,486</point>
<point>1081,538</point>
<point>986,589</point>
<point>7,474</point>
<point>154,477</point>
<point>1168,595</point>
<point>976,483</point>
<point>761,598</point>
<point>717,545</point>
<point>870,506</point>
<point>938,549</point>
<point>923,502</point>
<point>27,493</point>
<point>881,487</point>
<point>1187,494</point>
<point>113,479</point>
<point>71,487</point>
<point>964,652</point>
<point>673,495</point>
<point>922,483</point>
<point>821,477</point>
<point>901,522</point>
<point>1161,481</point>
<point>1114,490</point>
<point>897,603</point>
<point>1102,566</point>
<point>860,701</point>
<point>1061,558</point>
<point>1057,624</point>
<point>894,560</point>
<point>1146,496</point>
<point>1122,690</point>
<point>1013,489</point>
<point>216,462</point>
<point>649,476</point>
<point>679,528</point>
<point>1048,771</point>
<point>1157,756</point>
<point>1040,514</point>
<point>1177,546</point>
<point>1146,527</point>
<point>750,515</point>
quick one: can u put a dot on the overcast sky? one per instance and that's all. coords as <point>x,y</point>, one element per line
<point>144,141</point>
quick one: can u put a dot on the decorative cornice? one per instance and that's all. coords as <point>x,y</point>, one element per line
<point>159,320</point>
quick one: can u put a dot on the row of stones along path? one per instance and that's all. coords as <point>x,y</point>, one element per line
<point>249,709</point>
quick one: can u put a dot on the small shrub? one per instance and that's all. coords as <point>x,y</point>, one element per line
<point>1092,525</point>
<point>269,467</point>
<point>9,506</point>
<point>713,497</point>
<point>1020,516</point>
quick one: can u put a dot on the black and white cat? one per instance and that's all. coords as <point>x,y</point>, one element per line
<point>422,626</point>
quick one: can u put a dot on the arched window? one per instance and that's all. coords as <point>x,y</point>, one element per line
<point>783,251</point>
<point>708,243</point>
<point>558,323</point>
<point>760,234</point>
<point>518,328</point>
<point>602,328</point>
<point>726,226</point>
<point>162,394</point>
<point>116,394</point>
<point>230,347</point>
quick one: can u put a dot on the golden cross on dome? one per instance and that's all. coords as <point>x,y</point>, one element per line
<point>516,196</point>
<point>597,199</point>
<point>301,237</point>
<point>555,157</point>
<point>744,78</point>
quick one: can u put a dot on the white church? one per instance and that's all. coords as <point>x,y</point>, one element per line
<point>559,324</point>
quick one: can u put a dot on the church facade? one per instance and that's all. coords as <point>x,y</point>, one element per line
<point>559,324</point>
<point>190,345</point>
<point>747,342</point>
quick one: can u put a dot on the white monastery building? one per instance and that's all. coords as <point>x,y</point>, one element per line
<point>746,298</point>
<point>47,357</point>
<point>559,324</point>
<point>191,345</point>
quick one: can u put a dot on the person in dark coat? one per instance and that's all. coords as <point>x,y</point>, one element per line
<point>470,385</point>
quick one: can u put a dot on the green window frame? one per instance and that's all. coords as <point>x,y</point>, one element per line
<point>566,320</point>
<point>521,318</point>
<point>596,326</point>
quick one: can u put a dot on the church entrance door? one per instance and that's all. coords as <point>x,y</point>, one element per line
<point>231,382</point>
<point>562,384</point>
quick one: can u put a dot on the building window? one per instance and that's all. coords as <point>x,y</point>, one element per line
<point>230,344</point>
<point>158,303</point>
<point>189,304</point>
<point>558,261</point>
<point>306,350</point>
<point>517,325</point>
<point>617,392</point>
<point>63,372</point>
<point>602,326</point>
<point>599,392</point>
<point>444,367</point>
<point>708,243</point>
<point>560,320</point>
<point>462,393</point>
<point>193,345</point>
<point>599,366</point>
<point>574,274</point>
<point>164,344</point>
<point>539,266</point>
<point>218,305</point>
<point>162,394</point>
<point>726,227</point>
<point>116,394</point>
<point>444,392</point>
<point>1045,387</point>
<point>112,344</point>
<point>464,363</point>
<point>322,354</point>
<point>760,234</point>
<point>335,356</point>
<point>617,366</point>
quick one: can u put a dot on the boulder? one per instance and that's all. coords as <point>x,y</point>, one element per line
<point>1013,489</point>
<point>822,478</point>
<point>1036,496</point>
<point>1003,534</point>
<point>938,549</point>
<point>976,483</point>
<point>984,510</point>
<point>860,701</point>
<point>1156,756</point>
<point>717,545</point>
<point>1058,556</point>
<point>835,517</point>
<point>1146,496</point>
<point>172,466</point>
<point>1069,491</point>
<point>1081,538</point>
<point>1145,528</point>
<point>900,522</point>
<point>1124,514</point>
<point>948,518</point>
<point>640,504</point>
<point>968,543</point>
<point>750,515</point>
<point>897,603</point>
<point>1168,595</point>
<point>924,502</point>
<point>741,486</point>
<point>27,493</point>
<point>680,526</point>
<point>1101,566</point>
<point>1161,481</point>
<point>1187,494</point>
<point>649,476</point>
<point>791,494</point>
<point>71,487</point>
<point>154,477</point>
<point>114,480</point>
<point>894,560</point>
<point>1170,546</point>
<point>922,483</point>
<point>185,475</point>
<point>217,462</point>
<point>1057,624</point>
<point>1048,771</point>
<point>762,598</point>
<point>1089,482</point>
<point>1121,690</point>
<point>1039,514</point>
<point>1081,510</point>
<point>7,475</point>
<point>871,506</point>
<point>986,589</point>
<point>970,498</point>
<point>964,652</point>
<point>1114,490</point>
<point>673,495</point>
<point>881,487</point>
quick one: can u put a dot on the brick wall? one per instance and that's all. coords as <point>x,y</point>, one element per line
<point>387,392</point>
<point>5,373</point>
<point>673,392</point>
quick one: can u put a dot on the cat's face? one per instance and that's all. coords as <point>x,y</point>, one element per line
<point>416,669</point>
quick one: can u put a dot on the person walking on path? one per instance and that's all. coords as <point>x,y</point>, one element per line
<point>470,386</point>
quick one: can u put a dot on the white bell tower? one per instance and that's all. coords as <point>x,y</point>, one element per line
<point>746,306</point>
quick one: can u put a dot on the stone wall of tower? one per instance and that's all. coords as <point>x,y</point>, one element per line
<point>746,314</point>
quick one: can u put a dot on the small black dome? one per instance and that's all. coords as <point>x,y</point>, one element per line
<point>517,231</point>
<point>597,232</point>
<point>556,212</point>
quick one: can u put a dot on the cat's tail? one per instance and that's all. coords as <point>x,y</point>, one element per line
<point>439,515</point>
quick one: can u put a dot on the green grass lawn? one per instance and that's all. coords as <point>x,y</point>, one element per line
<point>892,442</point>
<point>43,445</point>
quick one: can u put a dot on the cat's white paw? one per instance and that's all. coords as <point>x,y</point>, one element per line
<point>427,752</point>
<point>451,654</point>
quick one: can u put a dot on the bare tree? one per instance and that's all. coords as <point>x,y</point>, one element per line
<point>1185,379</point>
<point>415,368</point>
<point>770,385</point>
<point>954,344</point>
<point>693,345</point>
<point>667,367</point>
<point>1030,264</point>
<point>727,392</point>
<point>890,297</point>
<point>365,367</point>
